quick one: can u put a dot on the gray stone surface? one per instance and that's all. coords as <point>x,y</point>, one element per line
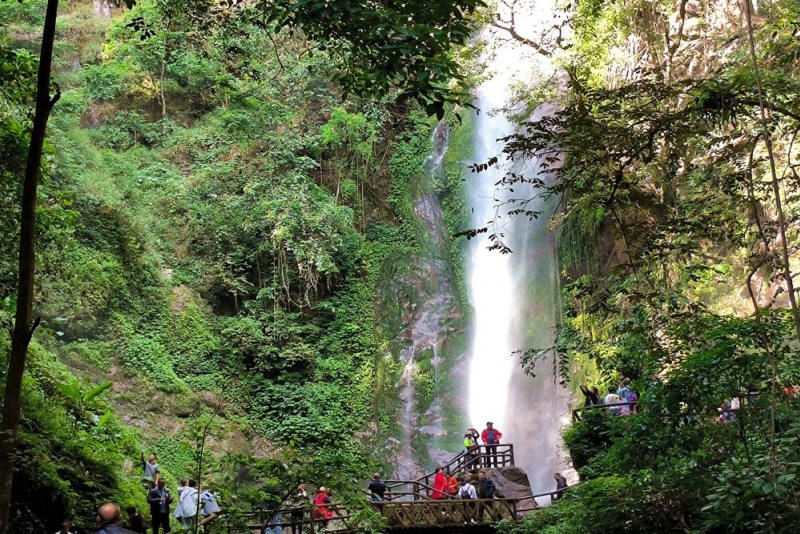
<point>512,483</point>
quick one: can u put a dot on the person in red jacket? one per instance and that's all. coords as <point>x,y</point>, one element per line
<point>491,438</point>
<point>438,485</point>
<point>321,512</point>
<point>451,483</point>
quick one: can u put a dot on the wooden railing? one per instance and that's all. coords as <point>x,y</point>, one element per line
<point>398,514</point>
<point>501,455</point>
<point>258,521</point>
<point>447,512</point>
<point>576,413</point>
<point>403,501</point>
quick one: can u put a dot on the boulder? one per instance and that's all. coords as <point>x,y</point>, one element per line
<point>513,483</point>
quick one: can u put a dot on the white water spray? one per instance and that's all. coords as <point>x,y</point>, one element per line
<point>515,296</point>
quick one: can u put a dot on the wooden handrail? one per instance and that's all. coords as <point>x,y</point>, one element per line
<point>576,412</point>
<point>400,514</point>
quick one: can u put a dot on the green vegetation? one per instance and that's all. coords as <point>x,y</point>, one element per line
<point>228,251</point>
<point>672,254</point>
<point>215,222</point>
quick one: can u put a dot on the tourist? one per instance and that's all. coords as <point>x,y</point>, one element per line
<point>72,528</point>
<point>298,508</point>
<point>486,490</point>
<point>178,513</point>
<point>63,529</point>
<point>136,521</point>
<point>470,450</point>
<point>624,393</point>
<point>725,415</point>
<point>475,435</point>
<point>273,526</point>
<point>451,484</point>
<point>491,437</point>
<point>160,499</point>
<point>108,518</point>
<point>611,399</point>
<point>208,506</point>
<point>321,510</point>
<point>150,467</point>
<point>467,490</point>
<point>561,485</point>
<point>439,484</point>
<point>189,504</point>
<point>377,488</point>
<point>634,398</point>
<point>592,395</point>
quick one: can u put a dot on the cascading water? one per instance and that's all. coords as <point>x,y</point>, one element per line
<point>514,296</point>
<point>427,321</point>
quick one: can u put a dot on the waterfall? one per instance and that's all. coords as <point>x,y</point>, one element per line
<point>427,323</point>
<point>514,296</point>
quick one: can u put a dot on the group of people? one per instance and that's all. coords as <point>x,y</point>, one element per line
<point>472,450</point>
<point>466,486</point>
<point>191,503</point>
<point>620,400</point>
<point>322,512</point>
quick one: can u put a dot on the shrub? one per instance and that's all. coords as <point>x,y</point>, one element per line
<point>149,359</point>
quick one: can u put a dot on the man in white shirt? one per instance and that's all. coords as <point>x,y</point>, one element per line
<point>467,492</point>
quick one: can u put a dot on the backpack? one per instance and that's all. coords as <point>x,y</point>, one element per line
<point>209,503</point>
<point>464,494</point>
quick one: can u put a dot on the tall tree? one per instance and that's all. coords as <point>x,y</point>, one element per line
<point>25,325</point>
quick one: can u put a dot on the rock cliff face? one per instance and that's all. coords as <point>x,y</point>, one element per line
<point>427,327</point>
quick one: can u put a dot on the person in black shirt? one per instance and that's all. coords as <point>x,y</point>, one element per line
<point>561,485</point>
<point>592,395</point>
<point>160,499</point>
<point>377,488</point>
<point>486,490</point>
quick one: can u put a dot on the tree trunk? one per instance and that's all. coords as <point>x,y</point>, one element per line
<point>24,324</point>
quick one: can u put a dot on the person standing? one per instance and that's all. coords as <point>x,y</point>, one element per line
<point>451,484</point>
<point>486,490</point>
<point>151,473</point>
<point>491,437</point>
<point>298,508</point>
<point>160,499</point>
<point>377,488</point>
<point>439,485</point>
<point>321,502</point>
<point>592,395</point>
<point>624,393</point>
<point>561,485</point>
<point>470,450</point>
<point>467,492</point>
<point>189,503</point>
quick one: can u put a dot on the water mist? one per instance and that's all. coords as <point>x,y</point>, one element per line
<point>514,296</point>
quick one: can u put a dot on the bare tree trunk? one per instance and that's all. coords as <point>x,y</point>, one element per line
<point>163,96</point>
<point>24,324</point>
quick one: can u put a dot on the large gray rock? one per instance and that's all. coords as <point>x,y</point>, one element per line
<point>513,483</point>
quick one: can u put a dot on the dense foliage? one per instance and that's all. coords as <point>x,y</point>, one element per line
<point>214,223</point>
<point>672,251</point>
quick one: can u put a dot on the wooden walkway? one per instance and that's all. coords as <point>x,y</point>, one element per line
<point>408,506</point>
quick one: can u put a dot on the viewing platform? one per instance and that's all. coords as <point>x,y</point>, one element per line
<point>409,506</point>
